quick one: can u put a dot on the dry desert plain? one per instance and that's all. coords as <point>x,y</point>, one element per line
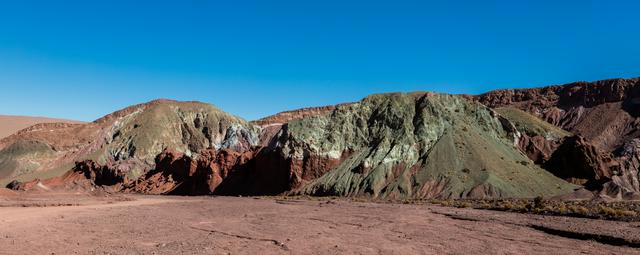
<point>78,223</point>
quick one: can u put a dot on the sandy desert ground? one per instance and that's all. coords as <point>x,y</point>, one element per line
<point>81,224</point>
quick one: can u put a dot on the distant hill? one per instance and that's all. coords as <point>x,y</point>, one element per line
<point>10,124</point>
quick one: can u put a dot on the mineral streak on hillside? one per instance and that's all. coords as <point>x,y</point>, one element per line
<point>604,114</point>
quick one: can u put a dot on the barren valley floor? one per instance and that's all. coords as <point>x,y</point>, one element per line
<point>80,224</point>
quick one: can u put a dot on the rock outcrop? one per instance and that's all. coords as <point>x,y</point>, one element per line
<point>581,163</point>
<point>178,174</point>
<point>99,175</point>
<point>535,137</point>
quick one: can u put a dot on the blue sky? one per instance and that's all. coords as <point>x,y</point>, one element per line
<point>84,59</point>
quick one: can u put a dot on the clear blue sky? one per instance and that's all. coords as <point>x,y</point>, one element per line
<point>84,59</point>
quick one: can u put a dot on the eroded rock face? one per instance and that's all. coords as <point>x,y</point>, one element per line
<point>538,148</point>
<point>257,171</point>
<point>580,162</point>
<point>535,137</point>
<point>603,113</point>
<point>99,175</point>
<point>625,181</point>
<point>218,172</point>
<point>178,174</point>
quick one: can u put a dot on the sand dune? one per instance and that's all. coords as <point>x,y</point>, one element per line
<point>11,124</point>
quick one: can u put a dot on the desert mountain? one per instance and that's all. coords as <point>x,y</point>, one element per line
<point>10,124</point>
<point>505,143</point>
<point>127,140</point>
<point>420,145</point>
<point>413,145</point>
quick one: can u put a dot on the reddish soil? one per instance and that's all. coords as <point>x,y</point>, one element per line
<point>80,224</point>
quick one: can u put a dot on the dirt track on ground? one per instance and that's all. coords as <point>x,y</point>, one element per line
<point>230,225</point>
